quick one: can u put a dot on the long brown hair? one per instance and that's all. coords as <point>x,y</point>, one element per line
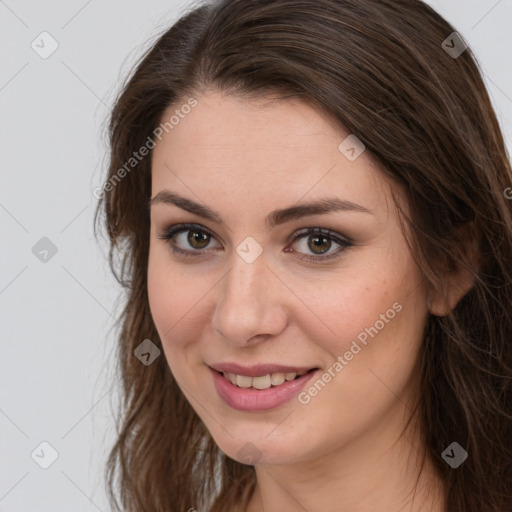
<point>383,69</point>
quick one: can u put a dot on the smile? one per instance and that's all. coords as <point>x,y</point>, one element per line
<point>263,382</point>
<point>262,391</point>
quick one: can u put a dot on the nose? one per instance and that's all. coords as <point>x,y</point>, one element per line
<point>250,303</point>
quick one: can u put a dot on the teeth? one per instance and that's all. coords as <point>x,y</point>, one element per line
<point>262,382</point>
<point>277,379</point>
<point>243,382</point>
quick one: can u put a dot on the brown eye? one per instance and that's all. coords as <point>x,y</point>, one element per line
<point>188,239</point>
<point>319,244</point>
<point>314,244</point>
<point>198,239</point>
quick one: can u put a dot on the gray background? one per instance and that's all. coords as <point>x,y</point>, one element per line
<point>57,381</point>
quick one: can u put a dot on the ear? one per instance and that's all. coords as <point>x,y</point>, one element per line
<point>458,274</point>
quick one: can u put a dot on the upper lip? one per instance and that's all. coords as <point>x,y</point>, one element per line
<point>257,370</point>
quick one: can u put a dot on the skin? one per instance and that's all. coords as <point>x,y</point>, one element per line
<point>244,158</point>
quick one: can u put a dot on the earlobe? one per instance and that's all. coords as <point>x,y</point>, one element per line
<point>441,303</point>
<point>459,277</point>
<point>438,304</point>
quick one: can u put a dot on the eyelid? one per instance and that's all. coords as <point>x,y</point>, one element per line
<point>174,230</point>
<point>298,233</point>
<point>343,241</point>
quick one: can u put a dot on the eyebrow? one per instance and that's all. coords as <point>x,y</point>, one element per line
<point>274,218</point>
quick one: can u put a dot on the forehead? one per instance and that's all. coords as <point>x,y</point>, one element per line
<point>238,147</point>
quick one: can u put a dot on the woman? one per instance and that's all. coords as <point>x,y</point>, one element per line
<point>309,201</point>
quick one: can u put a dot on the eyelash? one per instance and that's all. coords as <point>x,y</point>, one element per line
<point>171,233</point>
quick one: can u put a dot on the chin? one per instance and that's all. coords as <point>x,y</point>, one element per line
<point>258,449</point>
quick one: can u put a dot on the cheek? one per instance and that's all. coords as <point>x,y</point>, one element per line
<point>160,296</point>
<point>166,310</point>
<point>169,298</point>
<point>375,325</point>
<point>178,307</point>
<point>368,379</point>
<point>170,293</point>
<point>345,309</point>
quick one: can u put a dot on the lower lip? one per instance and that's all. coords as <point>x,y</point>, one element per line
<point>249,399</point>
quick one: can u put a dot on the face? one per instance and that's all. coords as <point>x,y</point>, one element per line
<point>250,284</point>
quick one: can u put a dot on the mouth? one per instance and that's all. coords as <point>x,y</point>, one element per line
<point>260,387</point>
<point>269,380</point>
